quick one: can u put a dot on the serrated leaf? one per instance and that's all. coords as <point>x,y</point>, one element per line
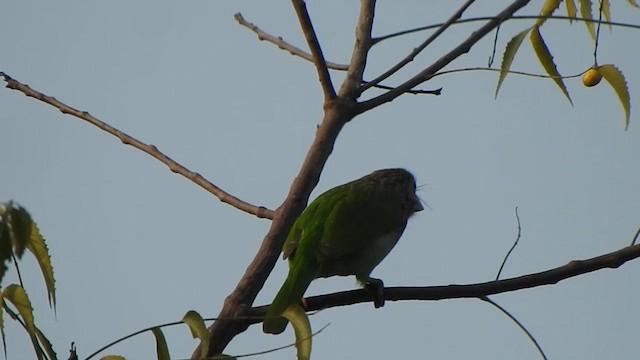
<point>113,357</point>
<point>547,10</point>
<point>46,344</point>
<point>616,79</point>
<point>509,54</point>
<point>606,12</point>
<point>302,329</point>
<point>571,9</point>
<point>198,330</point>
<point>20,226</point>
<point>545,58</point>
<point>162,350</point>
<point>40,251</point>
<point>587,13</point>
<point>16,295</point>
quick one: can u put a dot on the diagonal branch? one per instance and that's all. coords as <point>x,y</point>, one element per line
<point>316,51</point>
<point>409,58</point>
<point>259,211</point>
<point>282,44</point>
<point>445,60</point>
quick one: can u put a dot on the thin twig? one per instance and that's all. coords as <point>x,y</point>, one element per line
<point>316,50</point>
<point>485,18</point>
<point>520,325</point>
<point>259,211</point>
<point>595,47</point>
<point>515,243</point>
<point>409,58</point>
<point>495,46</point>
<point>633,242</point>
<point>284,45</point>
<point>445,60</point>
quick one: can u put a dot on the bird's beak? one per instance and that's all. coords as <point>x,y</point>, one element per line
<point>418,206</point>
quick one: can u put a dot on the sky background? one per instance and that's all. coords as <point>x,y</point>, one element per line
<point>134,245</point>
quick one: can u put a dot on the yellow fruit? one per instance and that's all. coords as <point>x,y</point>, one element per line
<point>592,77</point>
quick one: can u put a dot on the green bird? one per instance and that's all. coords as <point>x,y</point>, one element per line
<point>347,230</point>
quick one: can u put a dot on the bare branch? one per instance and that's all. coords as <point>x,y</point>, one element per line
<point>316,51</point>
<point>428,73</point>
<point>572,269</point>
<point>259,211</point>
<point>282,44</point>
<point>351,87</point>
<point>515,243</point>
<point>409,58</point>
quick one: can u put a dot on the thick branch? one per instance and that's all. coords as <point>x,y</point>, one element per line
<point>572,269</point>
<point>316,51</point>
<point>259,211</point>
<point>463,48</point>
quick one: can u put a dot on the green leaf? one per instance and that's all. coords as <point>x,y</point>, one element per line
<point>545,58</point>
<point>5,240</point>
<point>4,338</point>
<point>46,344</point>
<point>198,330</point>
<point>509,54</point>
<point>302,329</point>
<point>616,79</point>
<point>571,9</point>
<point>40,251</point>
<point>547,10</point>
<point>162,350</point>
<point>18,297</point>
<point>20,226</point>
<point>585,12</point>
<point>112,357</point>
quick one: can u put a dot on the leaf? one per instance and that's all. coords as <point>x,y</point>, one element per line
<point>606,11</point>
<point>198,330</point>
<point>112,357</point>
<point>4,338</point>
<point>548,8</point>
<point>162,350</point>
<point>5,241</point>
<point>20,226</point>
<point>18,297</point>
<point>302,329</point>
<point>545,58</point>
<point>46,344</point>
<point>585,12</point>
<point>509,54</point>
<point>633,3</point>
<point>616,79</point>
<point>38,248</point>
<point>571,9</point>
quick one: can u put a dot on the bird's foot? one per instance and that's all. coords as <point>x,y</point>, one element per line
<point>376,288</point>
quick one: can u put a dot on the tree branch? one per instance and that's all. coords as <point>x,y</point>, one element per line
<point>409,58</point>
<point>480,290</point>
<point>428,73</point>
<point>259,211</point>
<point>316,51</point>
<point>282,44</point>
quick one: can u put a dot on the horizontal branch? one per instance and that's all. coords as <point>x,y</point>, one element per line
<point>572,269</point>
<point>259,211</point>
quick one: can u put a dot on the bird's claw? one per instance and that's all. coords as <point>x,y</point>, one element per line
<point>376,288</point>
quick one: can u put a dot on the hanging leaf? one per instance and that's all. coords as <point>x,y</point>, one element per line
<point>586,13</point>
<point>302,329</point>
<point>198,330</point>
<point>606,12</point>
<point>571,9</point>
<point>509,54</point>
<point>616,79</point>
<point>40,251</point>
<point>20,226</point>
<point>113,357</point>
<point>545,58</point>
<point>16,295</point>
<point>162,350</point>
<point>547,10</point>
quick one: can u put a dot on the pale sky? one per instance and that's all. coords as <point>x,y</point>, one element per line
<point>134,245</point>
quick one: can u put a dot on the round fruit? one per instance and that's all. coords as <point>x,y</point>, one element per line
<point>592,77</point>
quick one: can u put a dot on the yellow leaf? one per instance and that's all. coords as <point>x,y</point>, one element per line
<point>585,12</point>
<point>112,357</point>
<point>633,3</point>
<point>616,79</point>
<point>548,8</point>
<point>198,330</point>
<point>545,58</point>
<point>571,9</point>
<point>509,54</point>
<point>302,329</point>
<point>16,295</point>
<point>40,251</point>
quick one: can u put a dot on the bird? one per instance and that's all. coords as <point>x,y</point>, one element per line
<point>347,230</point>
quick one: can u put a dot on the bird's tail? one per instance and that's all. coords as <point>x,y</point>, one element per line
<point>290,293</point>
